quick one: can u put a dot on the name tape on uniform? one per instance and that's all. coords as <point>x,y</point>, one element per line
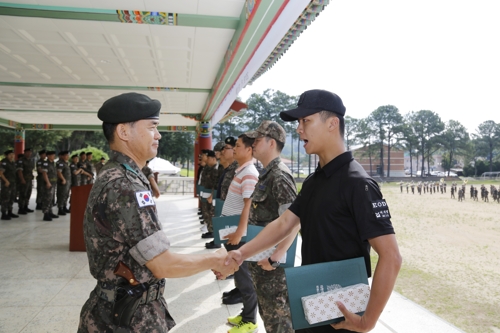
<point>381,209</point>
<point>144,198</point>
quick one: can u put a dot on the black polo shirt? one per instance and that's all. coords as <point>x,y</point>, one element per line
<point>340,207</point>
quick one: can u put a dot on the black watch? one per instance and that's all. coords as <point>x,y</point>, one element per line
<point>274,264</point>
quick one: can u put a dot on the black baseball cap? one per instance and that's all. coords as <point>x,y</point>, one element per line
<point>314,101</point>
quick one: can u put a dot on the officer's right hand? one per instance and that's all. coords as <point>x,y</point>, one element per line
<point>7,183</point>
<point>49,185</point>
<point>234,256</point>
<point>63,181</point>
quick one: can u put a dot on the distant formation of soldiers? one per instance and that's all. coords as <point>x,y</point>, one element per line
<point>435,186</point>
<point>54,181</point>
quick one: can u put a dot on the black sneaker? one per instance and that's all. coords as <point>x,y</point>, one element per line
<point>207,235</point>
<point>232,292</point>
<point>212,246</point>
<point>12,214</point>
<point>22,212</point>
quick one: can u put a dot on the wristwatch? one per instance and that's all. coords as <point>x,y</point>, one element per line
<point>274,264</point>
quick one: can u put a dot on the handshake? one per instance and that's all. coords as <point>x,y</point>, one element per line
<point>226,263</point>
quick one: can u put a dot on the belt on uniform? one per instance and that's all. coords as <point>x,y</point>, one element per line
<point>109,292</point>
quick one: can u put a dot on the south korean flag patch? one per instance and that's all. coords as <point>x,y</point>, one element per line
<point>381,209</point>
<point>144,198</point>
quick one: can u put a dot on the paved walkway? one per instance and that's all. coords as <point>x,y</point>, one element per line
<point>43,285</point>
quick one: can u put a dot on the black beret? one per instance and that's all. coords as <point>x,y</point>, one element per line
<point>211,153</point>
<point>27,149</point>
<point>42,152</point>
<point>82,153</point>
<point>102,158</point>
<point>73,156</point>
<point>7,152</point>
<point>314,101</point>
<point>51,152</point>
<point>230,141</point>
<point>129,107</point>
<point>20,156</point>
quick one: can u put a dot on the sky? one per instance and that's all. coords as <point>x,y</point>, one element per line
<point>438,55</point>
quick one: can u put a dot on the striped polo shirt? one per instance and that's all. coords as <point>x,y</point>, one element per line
<point>242,186</point>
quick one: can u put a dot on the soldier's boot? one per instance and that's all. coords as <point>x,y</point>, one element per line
<point>27,210</point>
<point>12,214</point>
<point>5,216</point>
<point>47,217</point>
<point>66,210</point>
<point>54,216</point>
<point>38,207</point>
<point>61,212</point>
<point>22,211</point>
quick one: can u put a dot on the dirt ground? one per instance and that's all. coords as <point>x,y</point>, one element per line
<point>451,256</point>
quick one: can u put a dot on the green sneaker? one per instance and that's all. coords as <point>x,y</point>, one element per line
<point>244,327</point>
<point>235,321</point>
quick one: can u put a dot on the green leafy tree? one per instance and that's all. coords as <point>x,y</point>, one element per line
<point>488,136</point>
<point>426,125</point>
<point>96,153</point>
<point>366,135</point>
<point>454,139</point>
<point>39,140</point>
<point>388,124</point>
<point>408,140</point>
<point>176,146</point>
<point>350,131</point>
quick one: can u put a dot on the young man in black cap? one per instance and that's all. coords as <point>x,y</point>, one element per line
<point>121,225</point>
<point>25,168</point>
<point>338,210</point>
<point>39,178</point>
<point>8,177</point>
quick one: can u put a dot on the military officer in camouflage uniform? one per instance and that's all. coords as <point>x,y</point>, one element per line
<point>273,194</point>
<point>39,178</point>
<point>89,167</point>
<point>98,165</point>
<point>209,180</point>
<point>75,171</point>
<point>121,224</point>
<point>151,177</point>
<point>49,174</point>
<point>25,168</point>
<point>8,176</point>
<point>63,182</point>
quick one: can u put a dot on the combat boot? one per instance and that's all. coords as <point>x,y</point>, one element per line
<point>54,216</point>
<point>46,217</point>
<point>5,216</point>
<point>22,211</point>
<point>61,212</point>
<point>38,207</point>
<point>66,210</point>
<point>12,214</point>
<point>27,210</point>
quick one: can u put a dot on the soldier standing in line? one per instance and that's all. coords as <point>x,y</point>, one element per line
<point>407,184</point>
<point>39,178</point>
<point>49,174</point>
<point>452,190</point>
<point>75,171</point>
<point>89,167</point>
<point>273,194</point>
<point>412,188</point>
<point>419,188</point>
<point>63,182</point>
<point>8,176</point>
<point>25,168</point>
<point>85,176</point>
<point>401,186</point>
<point>98,165</point>
<point>209,181</point>
<point>18,180</point>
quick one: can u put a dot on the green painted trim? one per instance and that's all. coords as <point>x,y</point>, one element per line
<point>109,15</point>
<point>82,86</point>
<point>70,127</point>
<point>6,123</point>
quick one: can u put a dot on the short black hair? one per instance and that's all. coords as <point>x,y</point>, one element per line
<point>248,142</point>
<point>279,145</point>
<point>109,131</point>
<point>82,153</point>
<point>324,115</point>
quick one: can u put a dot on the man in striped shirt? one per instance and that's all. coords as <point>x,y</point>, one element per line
<point>237,202</point>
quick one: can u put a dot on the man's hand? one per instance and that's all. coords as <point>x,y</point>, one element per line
<point>63,181</point>
<point>7,183</point>
<point>265,265</point>
<point>352,322</point>
<point>234,238</point>
<point>209,199</point>
<point>48,185</point>
<point>235,256</point>
<point>222,270</point>
<point>156,193</point>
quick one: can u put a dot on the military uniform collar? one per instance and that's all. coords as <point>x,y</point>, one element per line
<point>126,161</point>
<point>338,162</point>
<point>270,166</point>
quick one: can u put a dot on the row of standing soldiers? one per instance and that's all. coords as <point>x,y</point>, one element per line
<point>425,187</point>
<point>474,193</point>
<point>54,180</point>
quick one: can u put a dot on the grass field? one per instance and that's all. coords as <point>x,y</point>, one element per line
<point>451,255</point>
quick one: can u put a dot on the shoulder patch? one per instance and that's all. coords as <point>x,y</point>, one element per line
<point>144,198</point>
<point>381,209</point>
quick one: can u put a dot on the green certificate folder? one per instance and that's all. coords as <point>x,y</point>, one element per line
<point>222,223</point>
<point>219,203</point>
<point>307,280</point>
<point>253,230</point>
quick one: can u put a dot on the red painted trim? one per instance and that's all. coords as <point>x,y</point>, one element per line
<point>235,50</point>
<point>278,14</point>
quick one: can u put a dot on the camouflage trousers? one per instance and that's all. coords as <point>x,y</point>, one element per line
<point>207,210</point>
<point>84,180</point>
<point>7,196</point>
<point>25,193</point>
<point>272,296</point>
<point>40,183</point>
<point>62,195</point>
<point>48,198</point>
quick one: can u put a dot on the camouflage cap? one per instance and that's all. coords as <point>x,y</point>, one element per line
<point>219,146</point>
<point>269,128</point>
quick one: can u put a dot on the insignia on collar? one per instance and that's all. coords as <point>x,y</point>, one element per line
<point>254,205</point>
<point>144,198</point>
